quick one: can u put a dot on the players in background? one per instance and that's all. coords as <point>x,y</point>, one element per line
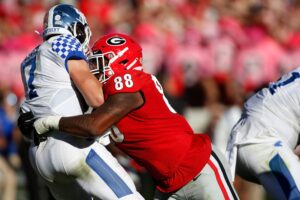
<point>184,165</point>
<point>72,167</point>
<point>9,159</point>
<point>262,142</point>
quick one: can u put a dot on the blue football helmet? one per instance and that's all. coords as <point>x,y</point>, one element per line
<point>66,19</point>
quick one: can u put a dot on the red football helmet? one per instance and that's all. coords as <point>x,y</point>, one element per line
<point>115,52</point>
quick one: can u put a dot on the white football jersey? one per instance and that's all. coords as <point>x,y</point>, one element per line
<point>46,79</point>
<point>276,108</point>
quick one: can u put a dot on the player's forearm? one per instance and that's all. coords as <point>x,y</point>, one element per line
<point>74,126</point>
<point>87,84</point>
<point>96,123</point>
<point>93,99</point>
<point>83,126</point>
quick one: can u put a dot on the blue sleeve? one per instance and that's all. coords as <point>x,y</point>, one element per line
<point>7,127</point>
<point>68,47</point>
<point>11,148</point>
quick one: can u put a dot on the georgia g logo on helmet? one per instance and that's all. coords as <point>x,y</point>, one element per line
<point>116,41</point>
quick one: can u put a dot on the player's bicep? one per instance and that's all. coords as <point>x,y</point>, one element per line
<point>86,82</point>
<point>111,112</point>
<point>124,103</point>
<point>115,108</point>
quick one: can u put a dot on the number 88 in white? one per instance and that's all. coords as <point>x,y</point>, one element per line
<point>119,82</point>
<point>129,83</point>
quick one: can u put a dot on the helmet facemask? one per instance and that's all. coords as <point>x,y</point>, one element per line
<point>99,65</point>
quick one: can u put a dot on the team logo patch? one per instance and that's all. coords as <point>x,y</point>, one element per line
<point>57,17</point>
<point>57,20</point>
<point>115,41</point>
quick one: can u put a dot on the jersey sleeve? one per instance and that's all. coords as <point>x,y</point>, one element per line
<point>68,47</point>
<point>123,82</point>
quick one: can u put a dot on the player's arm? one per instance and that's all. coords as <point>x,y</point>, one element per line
<point>95,124</point>
<point>86,82</point>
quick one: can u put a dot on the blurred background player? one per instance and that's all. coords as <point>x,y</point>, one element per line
<point>145,126</point>
<point>263,141</point>
<point>73,168</point>
<point>9,159</point>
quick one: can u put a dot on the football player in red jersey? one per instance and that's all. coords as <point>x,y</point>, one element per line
<point>184,165</point>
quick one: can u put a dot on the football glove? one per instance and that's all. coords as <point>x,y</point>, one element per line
<point>25,124</point>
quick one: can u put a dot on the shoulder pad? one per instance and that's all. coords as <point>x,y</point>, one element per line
<point>64,44</point>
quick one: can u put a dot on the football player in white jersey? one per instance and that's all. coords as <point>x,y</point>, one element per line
<point>73,168</point>
<point>263,141</point>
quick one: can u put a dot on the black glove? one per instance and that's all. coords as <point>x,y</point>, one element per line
<point>25,124</point>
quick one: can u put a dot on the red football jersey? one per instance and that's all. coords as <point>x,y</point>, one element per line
<point>155,136</point>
